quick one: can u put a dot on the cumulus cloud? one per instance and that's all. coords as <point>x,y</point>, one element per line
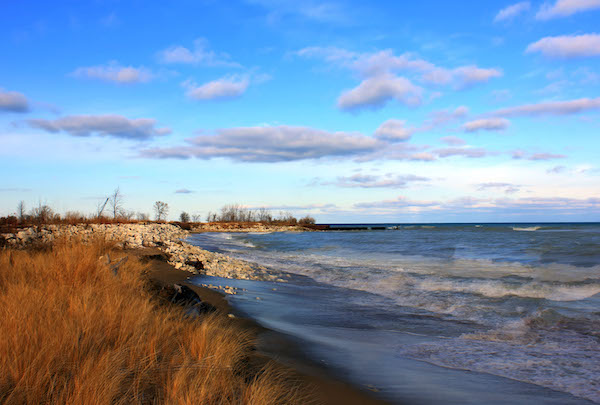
<point>521,154</point>
<point>372,181</point>
<point>468,76</point>
<point>115,126</point>
<point>529,205</point>
<point>567,46</point>
<point>270,144</point>
<point>551,108</point>
<point>564,8</point>
<point>487,124</point>
<point>510,12</point>
<point>380,80</point>
<point>385,62</point>
<point>443,117</point>
<point>12,101</point>
<point>376,91</point>
<point>200,54</point>
<point>464,152</point>
<point>114,72</point>
<point>508,188</point>
<point>394,130</point>
<point>223,88</point>
<point>453,140</point>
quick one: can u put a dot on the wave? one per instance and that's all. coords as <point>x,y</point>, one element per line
<point>527,229</point>
<point>499,289</point>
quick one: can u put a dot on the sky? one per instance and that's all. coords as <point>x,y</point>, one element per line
<point>348,111</point>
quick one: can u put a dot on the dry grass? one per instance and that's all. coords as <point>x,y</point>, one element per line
<point>73,333</point>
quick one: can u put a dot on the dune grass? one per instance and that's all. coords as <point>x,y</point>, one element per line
<point>71,332</point>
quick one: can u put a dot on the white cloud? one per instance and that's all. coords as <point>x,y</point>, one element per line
<point>13,101</point>
<point>508,188</point>
<point>470,75</point>
<point>376,91</point>
<point>510,206</point>
<point>510,12</point>
<point>487,124</point>
<point>551,108</point>
<point>380,81</point>
<point>464,152</point>
<point>225,87</point>
<point>567,46</point>
<point>184,191</point>
<point>394,130</point>
<point>199,55</point>
<point>113,72</point>
<point>521,154</point>
<point>556,169</point>
<point>564,8</point>
<point>453,140</point>
<point>442,117</point>
<point>115,126</point>
<point>372,181</point>
<point>270,144</point>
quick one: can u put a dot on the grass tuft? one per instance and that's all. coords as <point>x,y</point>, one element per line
<point>71,332</point>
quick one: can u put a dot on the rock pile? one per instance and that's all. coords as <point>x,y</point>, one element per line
<point>126,235</point>
<point>166,237</point>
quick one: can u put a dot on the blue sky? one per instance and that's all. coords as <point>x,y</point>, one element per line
<point>431,111</point>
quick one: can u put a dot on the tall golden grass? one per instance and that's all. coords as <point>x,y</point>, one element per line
<point>71,332</point>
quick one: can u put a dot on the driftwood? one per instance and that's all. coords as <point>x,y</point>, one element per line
<point>114,267</point>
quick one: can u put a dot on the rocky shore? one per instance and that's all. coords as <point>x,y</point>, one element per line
<point>166,237</point>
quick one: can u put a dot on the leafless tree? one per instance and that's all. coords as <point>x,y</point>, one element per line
<point>42,213</point>
<point>196,218</point>
<point>115,202</point>
<point>307,220</point>
<point>142,216</point>
<point>264,215</point>
<point>184,217</point>
<point>161,209</point>
<point>21,210</point>
<point>128,215</point>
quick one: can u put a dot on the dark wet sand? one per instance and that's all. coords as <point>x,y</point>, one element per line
<point>270,344</point>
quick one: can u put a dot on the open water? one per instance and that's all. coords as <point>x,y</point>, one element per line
<point>437,313</point>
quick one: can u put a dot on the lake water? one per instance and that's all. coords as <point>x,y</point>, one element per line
<point>437,313</point>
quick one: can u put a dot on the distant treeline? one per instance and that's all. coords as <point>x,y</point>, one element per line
<point>239,213</point>
<point>112,211</point>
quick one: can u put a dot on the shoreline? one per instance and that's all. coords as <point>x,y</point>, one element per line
<point>328,389</point>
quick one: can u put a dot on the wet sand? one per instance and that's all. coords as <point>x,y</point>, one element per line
<point>271,345</point>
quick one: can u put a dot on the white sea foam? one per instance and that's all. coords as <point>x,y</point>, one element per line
<point>561,360</point>
<point>527,229</point>
<point>499,289</point>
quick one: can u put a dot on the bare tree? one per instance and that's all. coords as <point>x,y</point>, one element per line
<point>184,217</point>
<point>264,215</point>
<point>42,213</point>
<point>142,216</point>
<point>21,210</point>
<point>196,218</point>
<point>161,209</point>
<point>115,202</point>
